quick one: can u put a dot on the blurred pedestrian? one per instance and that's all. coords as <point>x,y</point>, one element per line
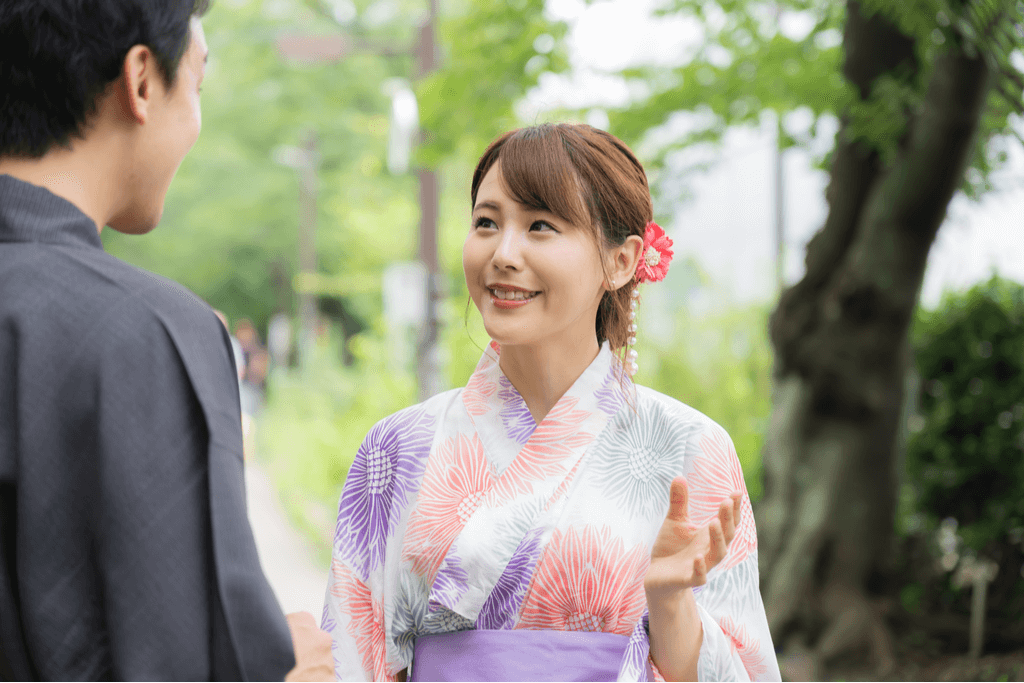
<point>125,548</point>
<point>237,354</point>
<point>255,361</point>
<point>279,340</point>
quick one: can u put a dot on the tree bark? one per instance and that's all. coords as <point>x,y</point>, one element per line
<point>840,337</point>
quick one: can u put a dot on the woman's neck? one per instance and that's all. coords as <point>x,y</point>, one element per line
<point>542,373</point>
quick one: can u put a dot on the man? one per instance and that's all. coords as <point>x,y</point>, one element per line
<point>125,550</point>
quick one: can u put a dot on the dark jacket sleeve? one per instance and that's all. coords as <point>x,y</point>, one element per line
<point>156,521</point>
<point>150,520</point>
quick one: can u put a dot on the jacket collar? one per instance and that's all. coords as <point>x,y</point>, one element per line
<point>29,213</point>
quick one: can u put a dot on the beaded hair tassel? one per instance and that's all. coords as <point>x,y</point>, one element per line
<point>652,267</point>
<point>631,355</point>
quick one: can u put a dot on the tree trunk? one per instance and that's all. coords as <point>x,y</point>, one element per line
<point>840,338</point>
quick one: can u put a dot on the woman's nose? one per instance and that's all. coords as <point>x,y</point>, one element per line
<point>508,253</point>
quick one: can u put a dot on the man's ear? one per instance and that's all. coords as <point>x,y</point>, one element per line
<point>624,260</point>
<point>141,76</point>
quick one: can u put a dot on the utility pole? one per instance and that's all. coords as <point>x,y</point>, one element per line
<point>307,243</point>
<point>780,209</point>
<point>780,193</point>
<point>428,361</point>
<point>320,49</point>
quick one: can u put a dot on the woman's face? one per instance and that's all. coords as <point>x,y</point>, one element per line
<point>533,276</point>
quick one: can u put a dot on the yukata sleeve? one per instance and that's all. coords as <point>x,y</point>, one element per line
<point>354,616</point>
<point>381,482</point>
<point>737,644</point>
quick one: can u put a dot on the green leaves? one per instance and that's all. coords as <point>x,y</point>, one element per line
<point>965,456</point>
<point>230,226</point>
<point>491,58</point>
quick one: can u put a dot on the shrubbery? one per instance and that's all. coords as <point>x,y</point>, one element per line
<point>963,499</point>
<point>965,454</point>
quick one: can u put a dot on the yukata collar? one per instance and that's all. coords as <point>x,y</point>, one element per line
<point>532,470</point>
<point>499,412</point>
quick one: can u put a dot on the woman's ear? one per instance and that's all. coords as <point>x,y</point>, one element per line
<point>624,260</point>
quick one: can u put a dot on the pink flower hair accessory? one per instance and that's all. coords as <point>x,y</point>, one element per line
<point>653,266</point>
<point>656,255</point>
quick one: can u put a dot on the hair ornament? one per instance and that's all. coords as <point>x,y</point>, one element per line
<point>656,254</point>
<point>653,266</point>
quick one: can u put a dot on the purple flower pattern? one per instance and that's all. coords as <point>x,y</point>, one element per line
<point>450,583</point>
<point>634,661</point>
<point>501,609</point>
<point>387,469</point>
<point>610,396</point>
<point>327,622</point>
<point>515,416</point>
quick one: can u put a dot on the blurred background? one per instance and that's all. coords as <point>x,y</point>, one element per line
<point>324,208</point>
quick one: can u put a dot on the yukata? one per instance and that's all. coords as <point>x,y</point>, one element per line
<point>461,513</point>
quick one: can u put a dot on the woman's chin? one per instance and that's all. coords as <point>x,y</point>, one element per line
<point>509,335</point>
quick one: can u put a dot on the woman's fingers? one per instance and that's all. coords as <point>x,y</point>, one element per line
<point>700,572</point>
<point>679,500</point>
<point>728,518</point>
<point>718,545</point>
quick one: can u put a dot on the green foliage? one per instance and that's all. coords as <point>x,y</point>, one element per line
<point>229,230</point>
<point>965,455</point>
<point>745,67</point>
<point>491,60</point>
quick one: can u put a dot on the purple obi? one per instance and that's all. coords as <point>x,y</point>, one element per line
<point>518,655</point>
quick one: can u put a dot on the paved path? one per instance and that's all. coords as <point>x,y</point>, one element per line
<point>291,566</point>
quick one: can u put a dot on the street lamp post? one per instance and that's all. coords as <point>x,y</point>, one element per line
<point>307,244</point>
<point>304,161</point>
<point>428,361</point>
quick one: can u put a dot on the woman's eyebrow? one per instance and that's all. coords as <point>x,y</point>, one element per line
<point>493,206</point>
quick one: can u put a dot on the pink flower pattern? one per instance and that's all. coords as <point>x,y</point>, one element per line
<point>714,478</point>
<point>587,581</point>
<point>454,484</point>
<point>547,450</point>
<point>747,647</point>
<point>366,620</point>
<point>555,569</point>
<point>477,394</point>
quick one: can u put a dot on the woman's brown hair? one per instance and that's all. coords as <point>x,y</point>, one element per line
<point>584,176</point>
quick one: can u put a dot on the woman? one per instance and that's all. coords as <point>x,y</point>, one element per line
<point>551,520</point>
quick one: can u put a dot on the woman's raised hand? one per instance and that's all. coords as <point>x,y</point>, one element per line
<point>683,552</point>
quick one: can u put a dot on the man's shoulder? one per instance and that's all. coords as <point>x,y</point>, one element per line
<point>90,305</point>
<point>90,283</point>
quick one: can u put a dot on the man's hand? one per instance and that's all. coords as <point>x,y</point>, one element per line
<point>313,658</point>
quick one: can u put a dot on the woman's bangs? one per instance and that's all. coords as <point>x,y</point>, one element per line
<point>539,173</point>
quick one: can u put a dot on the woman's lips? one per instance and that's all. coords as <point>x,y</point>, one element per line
<point>515,298</point>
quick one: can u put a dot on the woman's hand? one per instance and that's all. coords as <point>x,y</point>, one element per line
<point>683,552</point>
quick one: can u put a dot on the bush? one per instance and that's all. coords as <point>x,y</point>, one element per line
<point>965,454</point>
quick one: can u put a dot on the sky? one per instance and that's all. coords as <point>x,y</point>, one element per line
<point>727,223</point>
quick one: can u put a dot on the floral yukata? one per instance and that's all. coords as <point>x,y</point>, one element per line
<point>462,513</point>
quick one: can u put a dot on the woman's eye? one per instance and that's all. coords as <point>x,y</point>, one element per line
<point>483,223</point>
<point>542,227</point>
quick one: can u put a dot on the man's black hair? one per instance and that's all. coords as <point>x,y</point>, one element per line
<point>58,56</point>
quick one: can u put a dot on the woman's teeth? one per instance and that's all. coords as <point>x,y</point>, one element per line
<point>512,295</point>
